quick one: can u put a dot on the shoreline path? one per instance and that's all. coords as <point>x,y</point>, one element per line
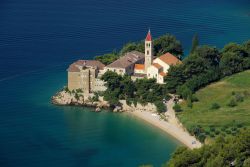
<point>172,126</point>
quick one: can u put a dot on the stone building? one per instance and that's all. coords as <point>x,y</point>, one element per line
<point>85,75</point>
<point>126,63</point>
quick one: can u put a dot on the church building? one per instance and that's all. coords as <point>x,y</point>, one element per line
<point>86,74</point>
<point>154,68</point>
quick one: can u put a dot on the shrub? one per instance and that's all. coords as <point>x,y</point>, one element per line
<point>233,129</point>
<point>79,90</point>
<point>228,131</point>
<point>233,93</point>
<point>160,106</point>
<point>207,133</point>
<point>232,103</point>
<point>215,106</point>
<point>177,108</point>
<point>217,132</point>
<point>194,98</point>
<point>212,128</point>
<point>196,130</point>
<point>77,96</point>
<point>223,128</point>
<point>95,97</point>
<point>212,135</point>
<point>239,97</point>
<point>201,137</point>
<point>66,89</point>
<point>239,125</point>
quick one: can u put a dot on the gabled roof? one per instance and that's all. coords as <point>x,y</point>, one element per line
<point>139,66</point>
<point>127,60</point>
<point>163,74</point>
<point>158,66</point>
<point>76,66</point>
<point>148,37</point>
<point>169,59</point>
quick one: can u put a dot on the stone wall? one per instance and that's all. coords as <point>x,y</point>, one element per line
<point>99,85</point>
<point>74,80</point>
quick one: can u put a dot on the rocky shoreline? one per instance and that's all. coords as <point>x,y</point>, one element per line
<point>66,98</point>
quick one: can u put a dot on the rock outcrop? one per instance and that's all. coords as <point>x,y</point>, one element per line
<point>81,99</point>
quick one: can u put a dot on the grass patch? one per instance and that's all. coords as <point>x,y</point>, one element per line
<point>223,107</point>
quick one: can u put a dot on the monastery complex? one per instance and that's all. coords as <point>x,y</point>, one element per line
<point>86,74</point>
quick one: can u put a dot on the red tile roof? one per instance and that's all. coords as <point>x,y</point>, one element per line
<point>139,66</point>
<point>157,65</point>
<point>163,74</point>
<point>149,37</point>
<point>169,59</point>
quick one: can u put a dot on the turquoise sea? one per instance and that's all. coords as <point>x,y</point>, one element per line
<point>38,39</point>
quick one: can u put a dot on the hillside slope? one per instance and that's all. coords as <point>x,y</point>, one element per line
<point>222,108</point>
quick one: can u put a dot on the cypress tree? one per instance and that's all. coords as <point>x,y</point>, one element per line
<point>195,43</point>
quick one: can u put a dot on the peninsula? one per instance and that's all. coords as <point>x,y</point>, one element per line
<point>98,84</point>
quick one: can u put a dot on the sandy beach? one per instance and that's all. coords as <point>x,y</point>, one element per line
<point>171,126</point>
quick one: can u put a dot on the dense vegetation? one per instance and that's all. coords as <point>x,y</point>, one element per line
<point>163,44</point>
<point>222,109</point>
<point>223,152</point>
<point>143,90</point>
<point>205,65</point>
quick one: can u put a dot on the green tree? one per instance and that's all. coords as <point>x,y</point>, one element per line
<point>131,46</point>
<point>177,108</point>
<point>195,43</point>
<point>175,78</point>
<point>160,106</point>
<point>235,48</point>
<point>222,152</point>
<point>231,63</point>
<point>246,46</point>
<point>168,43</point>
<point>108,58</point>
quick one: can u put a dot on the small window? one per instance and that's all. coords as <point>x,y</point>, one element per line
<point>147,52</point>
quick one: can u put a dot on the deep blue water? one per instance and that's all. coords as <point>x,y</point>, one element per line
<point>39,38</point>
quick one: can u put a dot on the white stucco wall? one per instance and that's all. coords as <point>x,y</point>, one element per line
<point>139,71</point>
<point>152,72</point>
<point>163,64</point>
<point>120,71</point>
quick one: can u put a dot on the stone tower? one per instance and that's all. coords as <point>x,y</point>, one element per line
<point>148,51</point>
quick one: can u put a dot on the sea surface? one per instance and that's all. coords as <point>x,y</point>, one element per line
<point>38,40</point>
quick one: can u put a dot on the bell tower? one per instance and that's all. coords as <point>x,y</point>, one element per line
<point>148,51</point>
